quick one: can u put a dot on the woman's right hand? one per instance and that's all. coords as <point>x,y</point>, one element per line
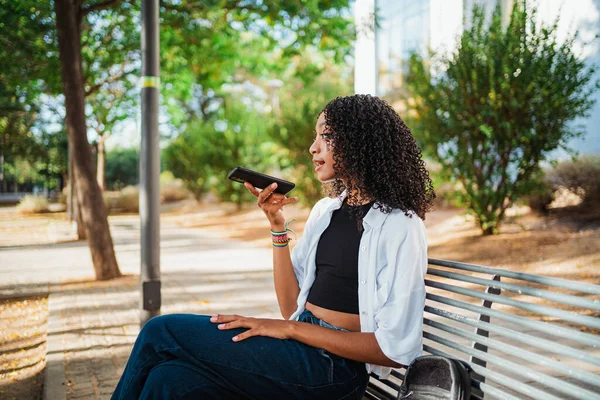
<point>272,204</point>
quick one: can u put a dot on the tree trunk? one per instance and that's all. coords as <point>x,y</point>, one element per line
<point>101,160</point>
<point>89,197</point>
<point>78,218</point>
<point>488,231</point>
<point>2,177</point>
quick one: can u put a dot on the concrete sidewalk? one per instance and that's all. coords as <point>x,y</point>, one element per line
<point>92,325</point>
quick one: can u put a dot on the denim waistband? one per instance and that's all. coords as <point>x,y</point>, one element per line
<point>309,317</point>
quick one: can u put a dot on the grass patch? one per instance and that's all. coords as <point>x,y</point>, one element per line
<point>33,204</point>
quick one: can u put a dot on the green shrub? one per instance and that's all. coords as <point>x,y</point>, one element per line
<point>33,204</point>
<point>493,110</point>
<point>122,168</point>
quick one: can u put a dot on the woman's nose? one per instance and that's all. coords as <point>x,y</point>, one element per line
<point>313,148</point>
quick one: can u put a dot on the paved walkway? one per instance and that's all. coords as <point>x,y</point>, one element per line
<point>92,325</point>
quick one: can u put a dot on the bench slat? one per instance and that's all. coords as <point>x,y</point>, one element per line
<point>563,332</point>
<point>499,378</point>
<point>544,310</point>
<point>511,287</point>
<point>526,352</point>
<point>526,355</point>
<point>379,393</point>
<point>581,287</point>
<point>530,340</point>
<point>497,393</point>
<point>557,384</point>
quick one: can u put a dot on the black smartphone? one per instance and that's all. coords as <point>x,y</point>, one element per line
<point>258,180</point>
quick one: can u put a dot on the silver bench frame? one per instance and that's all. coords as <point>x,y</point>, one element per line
<point>567,362</point>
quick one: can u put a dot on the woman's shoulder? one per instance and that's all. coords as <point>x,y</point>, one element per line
<point>408,221</point>
<point>319,209</point>
<point>324,203</point>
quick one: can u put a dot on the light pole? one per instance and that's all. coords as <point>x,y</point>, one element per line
<point>150,166</point>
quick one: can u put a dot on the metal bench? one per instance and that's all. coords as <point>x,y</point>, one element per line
<point>540,340</point>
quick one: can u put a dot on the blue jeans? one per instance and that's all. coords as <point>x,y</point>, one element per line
<point>184,356</point>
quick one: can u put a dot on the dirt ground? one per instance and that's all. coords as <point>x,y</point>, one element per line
<point>563,244</point>
<point>22,347</point>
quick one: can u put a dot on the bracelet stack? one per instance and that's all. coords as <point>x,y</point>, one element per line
<point>281,239</point>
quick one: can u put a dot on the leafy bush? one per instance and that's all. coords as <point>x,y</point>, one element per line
<point>580,176</point>
<point>122,168</point>
<point>304,95</point>
<point>447,192</point>
<point>498,106</point>
<point>184,158</point>
<point>207,150</point>
<point>33,204</point>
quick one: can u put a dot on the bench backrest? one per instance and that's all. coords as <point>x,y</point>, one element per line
<point>524,335</point>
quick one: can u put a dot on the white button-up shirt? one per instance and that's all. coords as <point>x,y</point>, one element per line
<point>392,263</point>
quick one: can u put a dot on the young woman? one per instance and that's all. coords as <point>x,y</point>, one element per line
<point>351,292</point>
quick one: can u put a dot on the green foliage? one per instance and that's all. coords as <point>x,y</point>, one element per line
<point>506,98</point>
<point>207,46</point>
<point>446,192</point>
<point>186,158</point>
<point>21,171</point>
<point>110,46</point>
<point>24,62</point>
<point>305,94</point>
<point>207,49</point>
<point>203,155</point>
<point>122,168</point>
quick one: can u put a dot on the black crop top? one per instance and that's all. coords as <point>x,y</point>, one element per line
<point>336,282</point>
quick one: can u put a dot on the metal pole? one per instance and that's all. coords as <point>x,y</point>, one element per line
<point>150,166</point>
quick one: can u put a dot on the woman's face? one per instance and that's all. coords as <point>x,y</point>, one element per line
<point>322,152</point>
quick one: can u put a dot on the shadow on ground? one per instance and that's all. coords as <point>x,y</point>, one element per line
<point>100,320</point>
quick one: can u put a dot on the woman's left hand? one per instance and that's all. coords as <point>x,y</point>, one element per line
<point>275,328</point>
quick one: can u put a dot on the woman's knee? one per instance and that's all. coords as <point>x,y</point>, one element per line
<point>166,326</point>
<point>154,326</point>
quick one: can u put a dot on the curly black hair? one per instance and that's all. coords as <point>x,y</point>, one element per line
<point>375,153</point>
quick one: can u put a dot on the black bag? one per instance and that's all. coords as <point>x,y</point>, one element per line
<point>436,378</point>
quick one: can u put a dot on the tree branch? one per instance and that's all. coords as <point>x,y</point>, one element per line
<point>98,6</point>
<point>112,78</point>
